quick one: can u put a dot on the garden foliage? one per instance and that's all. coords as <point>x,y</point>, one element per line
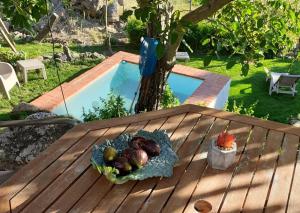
<point>112,107</point>
<point>242,109</point>
<point>252,28</point>
<point>11,57</point>
<point>23,14</point>
<point>169,99</point>
<point>135,29</point>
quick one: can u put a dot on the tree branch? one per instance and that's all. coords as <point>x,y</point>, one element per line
<point>205,11</point>
<point>195,16</point>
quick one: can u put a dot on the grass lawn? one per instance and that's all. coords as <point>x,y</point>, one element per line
<point>254,87</point>
<point>36,85</point>
<point>247,90</point>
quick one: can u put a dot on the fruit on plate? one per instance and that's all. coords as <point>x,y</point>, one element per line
<point>138,158</point>
<point>225,140</point>
<point>110,154</point>
<point>151,147</point>
<point>122,164</point>
<point>136,142</point>
<point>127,153</point>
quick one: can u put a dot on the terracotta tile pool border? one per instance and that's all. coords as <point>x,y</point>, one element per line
<point>204,95</point>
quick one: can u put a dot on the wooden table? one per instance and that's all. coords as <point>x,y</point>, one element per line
<point>31,64</point>
<point>265,175</point>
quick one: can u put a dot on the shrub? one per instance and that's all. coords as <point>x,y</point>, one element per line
<point>112,107</point>
<point>241,109</point>
<point>135,29</point>
<point>169,99</point>
<point>197,34</point>
<point>11,57</point>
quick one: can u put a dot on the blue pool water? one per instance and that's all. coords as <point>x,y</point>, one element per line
<point>122,80</point>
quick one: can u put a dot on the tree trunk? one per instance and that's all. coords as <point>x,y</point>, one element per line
<point>152,87</point>
<point>150,90</point>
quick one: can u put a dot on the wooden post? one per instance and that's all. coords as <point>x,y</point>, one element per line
<point>7,36</point>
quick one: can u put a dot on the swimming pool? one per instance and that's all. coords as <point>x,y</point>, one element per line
<point>122,80</point>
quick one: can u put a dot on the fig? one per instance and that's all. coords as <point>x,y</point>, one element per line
<point>135,142</point>
<point>138,158</point>
<point>127,168</point>
<point>151,147</point>
<point>109,154</point>
<point>127,153</point>
<point>122,164</point>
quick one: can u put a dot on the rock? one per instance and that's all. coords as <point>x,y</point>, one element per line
<point>22,144</point>
<point>24,108</point>
<point>18,35</point>
<point>121,2</point>
<point>5,175</point>
<point>40,58</point>
<point>75,55</point>
<point>7,25</point>
<point>2,154</point>
<point>91,7</point>
<point>47,57</point>
<point>59,9</point>
<point>295,122</point>
<point>97,55</point>
<point>28,38</point>
<point>112,11</point>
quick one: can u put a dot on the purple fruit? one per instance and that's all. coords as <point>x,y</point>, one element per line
<point>122,164</point>
<point>151,147</point>
<point>127,153</point>
<point>136,142</point>
<point>138,158</point>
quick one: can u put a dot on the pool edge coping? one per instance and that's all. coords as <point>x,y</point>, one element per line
<point>204,95</point>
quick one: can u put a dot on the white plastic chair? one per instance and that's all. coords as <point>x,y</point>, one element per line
<point>8,78</point>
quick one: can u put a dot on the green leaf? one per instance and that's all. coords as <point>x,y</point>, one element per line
<point>207,60</point>
<point>260,23</point>
<point>230,64</point>
<point>205,41</point>
<point>160,50</point>
<point>235,26</point>
<point>259,64</point>
<point>125,15</point>
<point>292,15</point>
<point>245,69</point>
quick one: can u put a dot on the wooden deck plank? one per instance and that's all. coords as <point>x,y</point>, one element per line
<point>267,124</point>
<point>111,202</point>
<point>213,184</point>
<point>53,171</point>
<point>259,188</point>
<point>142,190</point>
<point>235,197</point>
<point>202,133</point>
<point>62,179</point>
<point>78,188</point>
<point>53,191</point>
<point>294,204</point>
<point>24,175</point>
<point>163,188</point>
<point>280,188</point>
<point>149,204</point>
<point>98,191</point>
